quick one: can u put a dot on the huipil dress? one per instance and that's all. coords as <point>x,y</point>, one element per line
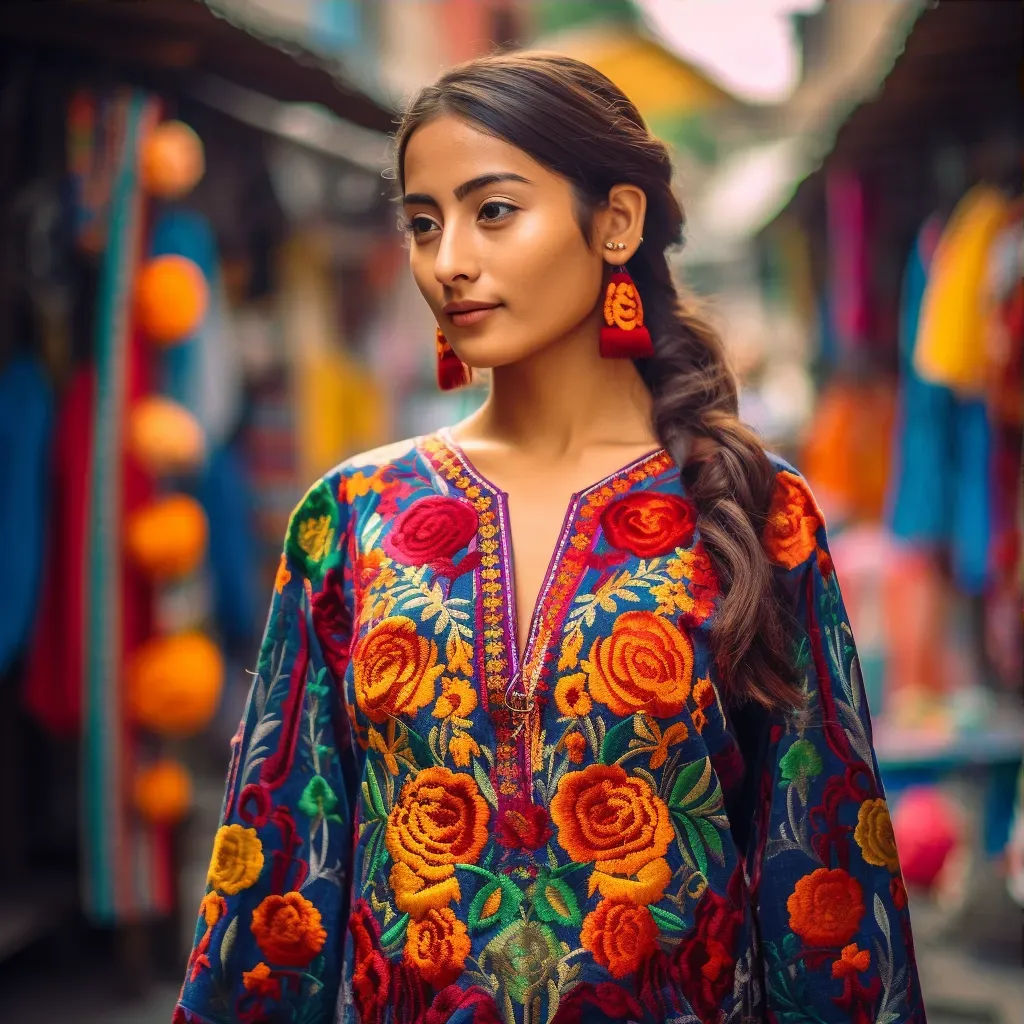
<point>419,828</point>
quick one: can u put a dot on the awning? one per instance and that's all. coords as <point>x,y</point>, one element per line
<point>167,40</point>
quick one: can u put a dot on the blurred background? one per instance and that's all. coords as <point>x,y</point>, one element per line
<point>204,304</point>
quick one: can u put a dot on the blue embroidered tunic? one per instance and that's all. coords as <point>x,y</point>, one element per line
<point>419,828</point>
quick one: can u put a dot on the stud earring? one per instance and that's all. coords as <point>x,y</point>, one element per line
<point>624,335</point>
<point>616,246</point>
<point>452,372</point>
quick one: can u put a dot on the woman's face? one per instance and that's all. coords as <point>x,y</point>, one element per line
<point>495,247</point>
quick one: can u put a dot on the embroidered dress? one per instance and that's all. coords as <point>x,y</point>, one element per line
<point>419,826</point>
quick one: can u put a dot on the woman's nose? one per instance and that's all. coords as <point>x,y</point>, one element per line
<point>455,259</point>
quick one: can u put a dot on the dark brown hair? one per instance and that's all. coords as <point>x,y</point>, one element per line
<point>573,120</point>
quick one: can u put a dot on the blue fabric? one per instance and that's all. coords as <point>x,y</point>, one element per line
<point>225,494</point>
<point>26,422</point>
<point>940,487</point>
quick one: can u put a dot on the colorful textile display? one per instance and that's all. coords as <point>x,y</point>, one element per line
<point>429,825</point>
<point>97,607</point>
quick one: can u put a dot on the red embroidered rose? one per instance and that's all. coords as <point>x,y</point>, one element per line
<point>431,528</point>
<point>453,998</point>
<point>332,621</point>
<point>371,972</point>
<point>524,826</point>
<point>613,1002</point>
<point>704,959</point>
<point>649,524</point>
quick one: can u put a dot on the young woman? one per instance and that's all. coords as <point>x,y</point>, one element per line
<point>626,775</point>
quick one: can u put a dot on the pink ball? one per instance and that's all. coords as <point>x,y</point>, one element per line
<point>928,826</point>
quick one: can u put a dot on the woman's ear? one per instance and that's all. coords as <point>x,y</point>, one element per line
<point>622,219</point>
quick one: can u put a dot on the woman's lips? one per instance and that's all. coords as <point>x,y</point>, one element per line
<point>471,317</point>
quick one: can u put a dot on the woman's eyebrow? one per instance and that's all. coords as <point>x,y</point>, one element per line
<point>463,190</point>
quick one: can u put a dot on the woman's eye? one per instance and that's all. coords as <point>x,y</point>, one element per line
<point>496,210</point>
<point>419,225</point>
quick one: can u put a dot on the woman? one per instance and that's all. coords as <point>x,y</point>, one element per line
<point>628,776</point>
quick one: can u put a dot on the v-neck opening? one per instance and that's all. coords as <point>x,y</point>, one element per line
<point>521,660</point>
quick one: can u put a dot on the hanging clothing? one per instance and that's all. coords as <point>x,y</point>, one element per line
<point>26,416</point>
<point>951,345</point>
<point>429,827</point>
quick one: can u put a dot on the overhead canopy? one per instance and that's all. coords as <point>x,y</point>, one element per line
<point>662,86</point>
<point>169,38</point>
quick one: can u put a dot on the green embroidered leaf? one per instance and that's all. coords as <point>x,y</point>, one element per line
<point>694,840</point>
<point>318,799</point>
<point>484,784</point>
<point>555,902</point>
<point>420,749</point>
<point>712,839</point>
<point>691,782</point>
<point>396,932</point>
<point>227,944</point>
<point>667,921</point>
<point>496,903</point>
<point>616,741</point>
<point>371,794</point>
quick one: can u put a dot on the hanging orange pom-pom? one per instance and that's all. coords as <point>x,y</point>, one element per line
<point>163,792</point>
<point>167,538</point>
<point>172,296</point>
<point>172,160</point>
<point>165,437</point>
<point>174,684</point>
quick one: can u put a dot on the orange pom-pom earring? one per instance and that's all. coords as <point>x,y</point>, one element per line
<point>452,372</point>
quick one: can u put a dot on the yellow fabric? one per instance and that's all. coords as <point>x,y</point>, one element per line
<point>950,347</point>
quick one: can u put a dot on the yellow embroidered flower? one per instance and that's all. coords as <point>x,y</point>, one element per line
<point>675,733</point>
<point>283,575</point>
<point>672,597</point>
<point>875,837</point>
<point>462,748</point>
<point>648,886</point>
<point>378,743</point>
<point>212,908</point>
<point>571,697</point>
<point>237,859</point>
<point>458,699</point>
<point>414,897</point>
<point>316,536</point>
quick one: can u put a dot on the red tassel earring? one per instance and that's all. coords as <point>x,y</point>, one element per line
<point>623,335</point>
<point>452,372</point>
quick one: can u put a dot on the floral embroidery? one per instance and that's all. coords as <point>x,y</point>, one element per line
<point>288,929</point>
<point>440,820</point>
<point>620,934</point>
<point>575,862</point>
<point>437,946</point>
<point>645,664</point>
<point>790,534</point>
<point>826,907</point>
<point>396,669</point>
<point>604,815</point>
<point>237,859</point>
<point>649,524</point>
<point>875,836</point>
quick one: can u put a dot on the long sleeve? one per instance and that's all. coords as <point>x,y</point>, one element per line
<point>270,933</point>
<point>828,889</point>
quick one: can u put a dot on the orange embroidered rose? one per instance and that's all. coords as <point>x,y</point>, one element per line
<point>237,859</point>
<point>605,816</point>
<point>414,897</point>
<point>648,887</point>
<point>457,700</point>
<point>790,534</point>
<point>395,670</point>
<point>853,961</point>
<point>826,907</point>
<point>440,820</point>
<point>644,664</point>
<point>570,696</point>
<point>620,934</point>
<point>288,929</point>
<point>875,837</point>
<point>437,946</point>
